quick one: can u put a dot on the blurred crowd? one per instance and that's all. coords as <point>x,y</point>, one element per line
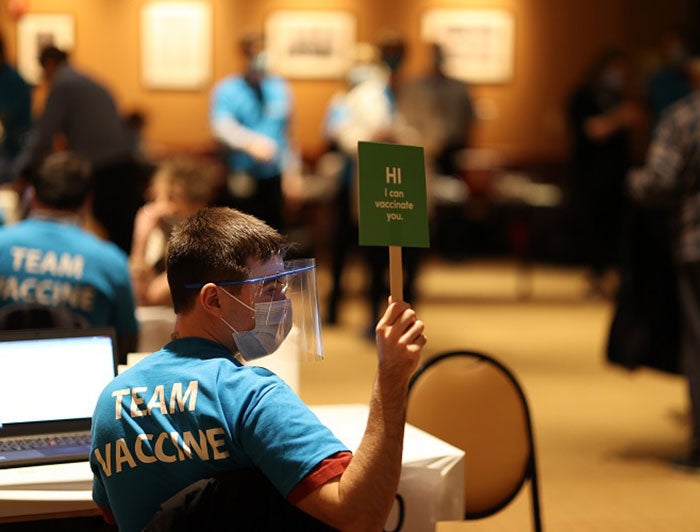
<point>137,195</point>
<point>631,145</point>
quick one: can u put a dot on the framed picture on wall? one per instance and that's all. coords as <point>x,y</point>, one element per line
<point>310,44</point>
<point>176,45</point>
<point>478,43</point>
<point>34,32</point>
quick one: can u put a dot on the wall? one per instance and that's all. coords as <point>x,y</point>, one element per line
<point>555,40</point>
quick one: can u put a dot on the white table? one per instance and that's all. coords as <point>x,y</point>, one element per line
<point>45,491</point>
<point>432,471</point>
<point>431,482</point>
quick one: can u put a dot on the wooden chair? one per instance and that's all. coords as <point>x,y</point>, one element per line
<point>474,402</point>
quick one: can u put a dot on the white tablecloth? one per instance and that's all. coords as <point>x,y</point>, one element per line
<point>432,471</point>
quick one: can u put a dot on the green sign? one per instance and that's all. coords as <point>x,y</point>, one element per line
<point>393,206</point>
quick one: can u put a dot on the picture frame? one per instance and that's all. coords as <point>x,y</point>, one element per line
<point>36,30</point>
<point>310,44</point>
<point>479,44</point>
<point>176,45</point>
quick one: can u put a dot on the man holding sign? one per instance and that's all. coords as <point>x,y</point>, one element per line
<point>393,203</point>
<point>194,410</point>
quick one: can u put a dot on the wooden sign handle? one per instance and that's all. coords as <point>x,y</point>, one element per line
<point>395,273</point>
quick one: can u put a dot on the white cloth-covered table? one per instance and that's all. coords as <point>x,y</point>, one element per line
<point>432,471</point>
<point>431,484</point>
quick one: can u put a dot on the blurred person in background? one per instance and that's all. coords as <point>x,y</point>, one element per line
<point>15,114</point>
<point>601,118</point>
<point>81,114</point>
<point>180,187</point>
<point>366,111</point>
<point>363,111</point>
<point>671,176</point>
<point>48,259</point>
<point>436,111</point>
<point>670,81</point>
<point>249,115</point>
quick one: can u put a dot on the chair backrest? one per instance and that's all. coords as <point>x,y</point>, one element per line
<point>36,316</point>
<point>474,402</point>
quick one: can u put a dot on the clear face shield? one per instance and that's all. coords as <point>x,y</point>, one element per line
<point>284,308</point>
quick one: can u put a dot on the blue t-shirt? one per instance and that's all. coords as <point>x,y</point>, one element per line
<point>234,97</point>
<point>190,411</point>
<point>61,265</point>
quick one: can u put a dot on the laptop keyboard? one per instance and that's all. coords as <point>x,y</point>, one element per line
<point>44,441</point>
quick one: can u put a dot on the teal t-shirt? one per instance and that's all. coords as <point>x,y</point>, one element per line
<point>61,265</point>
<point>190,411</point>
<point>267,114</point>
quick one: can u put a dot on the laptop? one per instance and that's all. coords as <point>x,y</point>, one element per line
<point>50,380</point>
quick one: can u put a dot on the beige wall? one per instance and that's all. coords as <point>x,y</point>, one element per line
<point>555,40</point>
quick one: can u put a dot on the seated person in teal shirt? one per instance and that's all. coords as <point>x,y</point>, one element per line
<point>50,260</point>
<point>193,410</point>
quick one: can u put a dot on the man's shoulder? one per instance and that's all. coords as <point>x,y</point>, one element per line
<point>229,82</point>
<point>58,236</point>
<point>104,248</point>
<point>89,243</point>
<point>69,80</point>
<point>138,375</point>
<point>18,232</point>
<point>276,80</point>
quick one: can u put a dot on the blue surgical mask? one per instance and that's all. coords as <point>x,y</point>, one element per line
<point>273,321</point>
<point>259,63</point>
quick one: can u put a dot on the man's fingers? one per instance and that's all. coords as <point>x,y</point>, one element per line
<point>393,312</point>
<point>414,333</point>
<point>418,343</point>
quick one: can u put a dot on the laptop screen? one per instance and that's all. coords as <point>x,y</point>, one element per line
<point>53,375</point>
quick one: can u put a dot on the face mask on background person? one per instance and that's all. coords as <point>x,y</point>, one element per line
<point>273,321</point>
<point>258,63</point>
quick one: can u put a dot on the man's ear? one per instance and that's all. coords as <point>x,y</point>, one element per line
<point>209,299</point>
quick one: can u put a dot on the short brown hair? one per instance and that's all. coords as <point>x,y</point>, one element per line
<point>193,175</point>
<point>215,245</point>
<point>64,181</point>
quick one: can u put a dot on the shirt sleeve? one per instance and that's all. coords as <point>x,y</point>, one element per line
<point>330,468</point>
<point>232,133</point>
<point>282,437</point>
